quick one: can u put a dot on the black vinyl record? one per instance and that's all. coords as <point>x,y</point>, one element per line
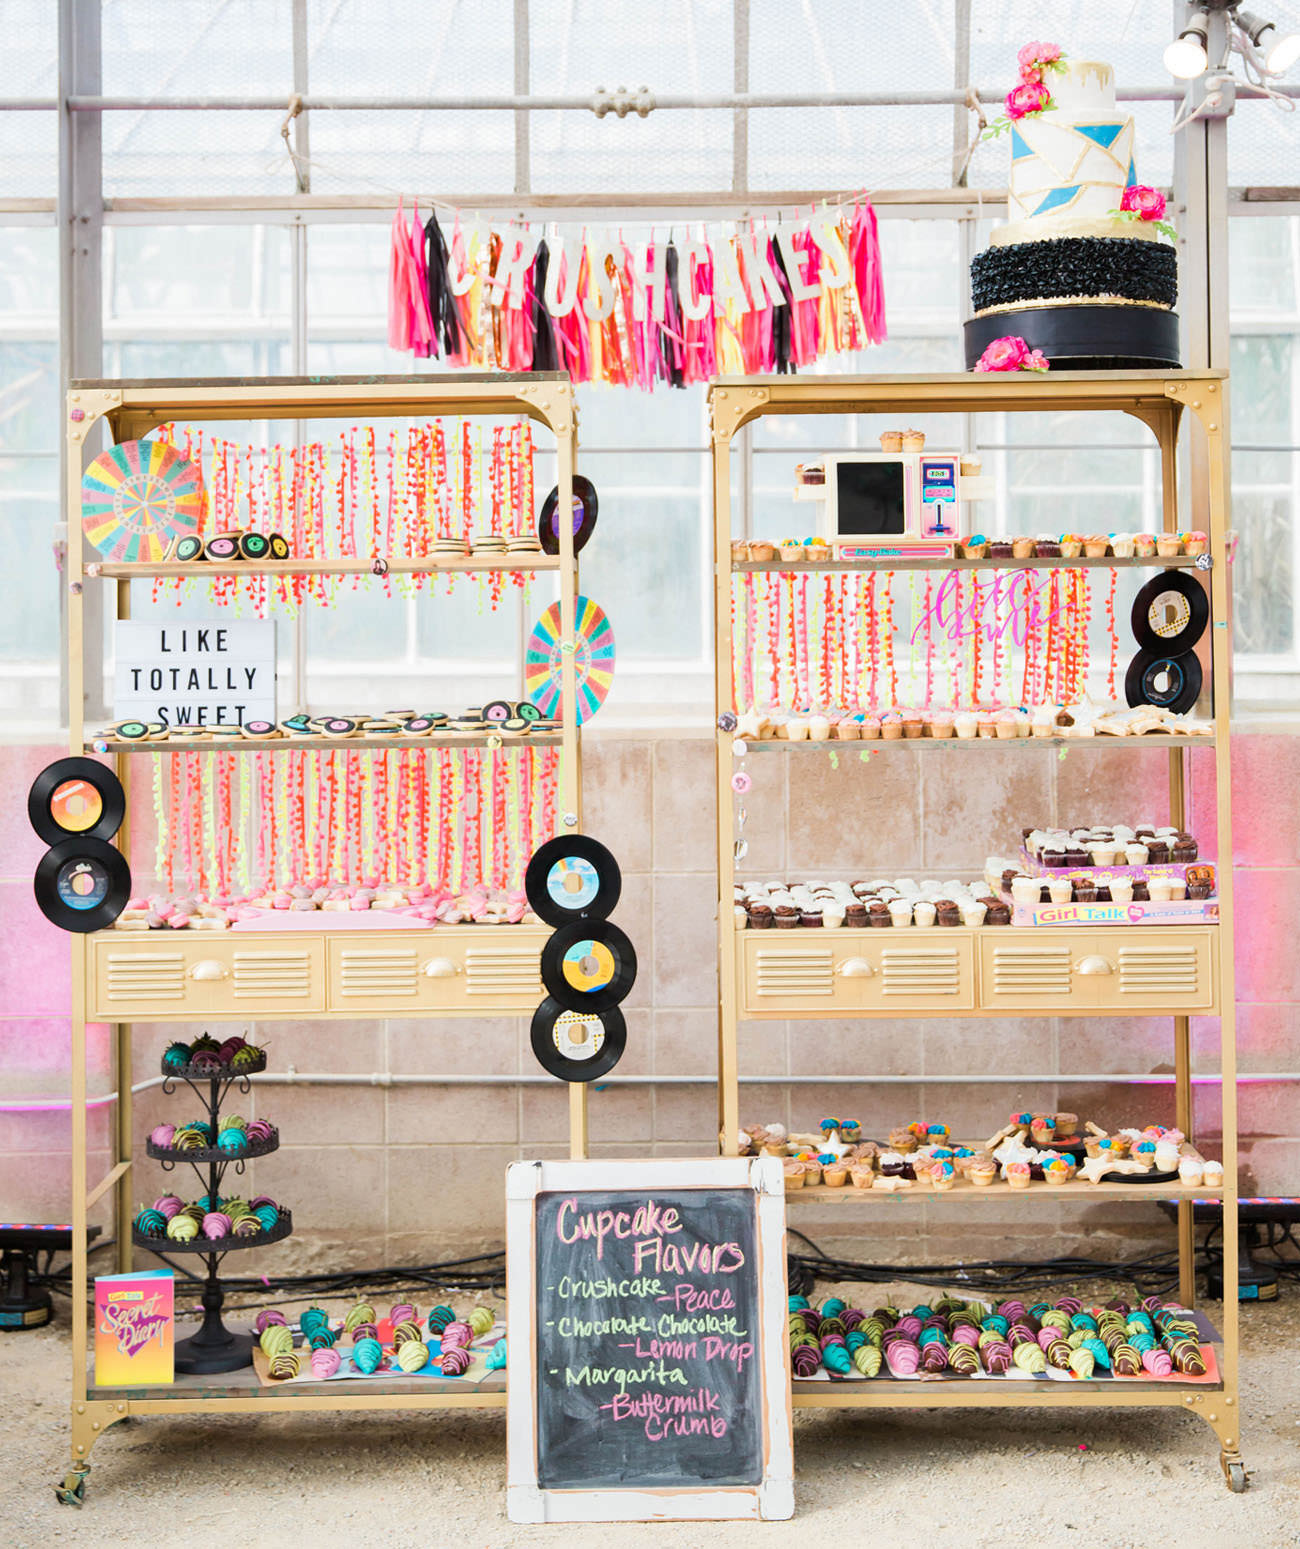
<point>1168,682</point>
<point>585,508</point>
<point>76,798</point>
<point>588,966</point>
<point>572,878</point>
<point>82,885</point>
<point>1170,613</point>
<point>578,1045</point>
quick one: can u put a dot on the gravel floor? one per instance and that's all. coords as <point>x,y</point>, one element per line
<point>1130,1479</point>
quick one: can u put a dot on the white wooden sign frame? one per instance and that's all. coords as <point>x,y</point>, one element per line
<point>770,1500</point>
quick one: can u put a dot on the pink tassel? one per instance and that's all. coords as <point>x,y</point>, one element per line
<point>399,284</point>
<point>423,340</point>
<point>868,273</point>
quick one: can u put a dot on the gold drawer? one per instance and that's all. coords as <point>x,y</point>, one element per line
<point>1139,969</point>
<point>828,973</point>
<point>167,976</point>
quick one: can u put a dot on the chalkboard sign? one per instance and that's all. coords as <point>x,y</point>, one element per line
<point>648,1368</point>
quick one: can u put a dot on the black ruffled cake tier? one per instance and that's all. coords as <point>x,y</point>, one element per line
<point>1113,268</point>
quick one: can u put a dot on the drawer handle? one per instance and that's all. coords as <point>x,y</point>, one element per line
<point>209,968</point>
<point>855,968</point>
<point>440,968</point>
<point>1094,965</point>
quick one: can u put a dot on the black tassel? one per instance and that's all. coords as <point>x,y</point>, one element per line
<point>544,352</point>
<point>672,350</point>
<point>781,317</point>
<point>442,304</point>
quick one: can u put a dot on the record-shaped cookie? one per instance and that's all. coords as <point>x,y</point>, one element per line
<point>593,660</point>
<point>186,549</point>
<point>279,546</point>
<point>585,509</point>
<point>223,547</point>
<point>254,546</point>
<point>1170,613</point>
<point>1169,682</point>
<point>137,498</point>
<point>588,966</point>
<point>496,711</point>
<point>82,885</point>
<point>76,797</point>
<point>570,878</point>
<point>578,1045</point>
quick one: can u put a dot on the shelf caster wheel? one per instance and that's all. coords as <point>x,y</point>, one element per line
<point>72,1492</point>
<point>1234,1471</point>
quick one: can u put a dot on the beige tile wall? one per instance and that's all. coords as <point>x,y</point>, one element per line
<point>389,1173</point>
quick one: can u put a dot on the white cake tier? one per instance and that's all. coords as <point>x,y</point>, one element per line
<point>1068,168</point>
<point>1049,227</point>
<point>1085,88</point>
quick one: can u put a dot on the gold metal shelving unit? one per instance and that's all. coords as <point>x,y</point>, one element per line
<point>1001,971</point>
<point>123,977</point>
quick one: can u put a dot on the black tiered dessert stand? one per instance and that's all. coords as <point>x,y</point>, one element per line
<point>214,1348</point>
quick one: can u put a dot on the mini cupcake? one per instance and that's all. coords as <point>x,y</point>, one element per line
<point>891,726</point>
<point>1048,546</point>
<point>975,547</point>
<point>965,725</point>
<point>1057,1171</point>
<point>792,549</point>
<point>1042,1128</point>
<point>835,1174</point>
<point>1018,1174</point>
<point>1144,545</point>
<point>1195,542</point>
<point>1000,548</point>
<point>1071,545</point>
<point>862,1175</point>
<point>1005,725</point>
<point>1168,544</point>
<point>1067,1126</point>
<point>1022,548</point>
<point>939,723</point>
<point>871,728</point>
<point>914,441</point>
<point>818,552</point>
<point>1121,545</point>
<point>983,1169</point>
<point>891,440</point>
<point>913,724</point>
<point>904,1140</point>
<point>986,726</point>
<point>794,1174</point>
<point>1096,545</point>
<point>761,549</point>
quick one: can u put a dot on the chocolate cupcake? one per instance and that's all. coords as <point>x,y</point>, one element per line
<point>1198,890</point>
<point>1085,891</point>
<point>811,918</point>
<point>1157,851</point>
<point>760,916</point>
<point>878,914</point>
<point>1000,548</point>
<point>855,916</point>
<point>1076,855</point>
<point>1141,892</point>
<point>998,914</point>
<point>787,917</point>
<point>1184,851</point>
<point>1103,893</point>
<point>946,912</point>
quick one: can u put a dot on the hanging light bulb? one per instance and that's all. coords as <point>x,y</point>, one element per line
<point>1282,54</point>
<point>1186,57</point>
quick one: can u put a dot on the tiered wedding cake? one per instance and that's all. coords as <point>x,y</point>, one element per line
<point>1082,270</point>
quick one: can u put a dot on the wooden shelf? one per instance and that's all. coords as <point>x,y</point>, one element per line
<point>887,744</point>
<point>319,744</point>
<point>428,564</point>
<point>807,567</point>
<point>1077,1191</point>
<point>948,1390</point>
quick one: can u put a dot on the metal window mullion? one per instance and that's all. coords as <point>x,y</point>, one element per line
<point>740,84</point>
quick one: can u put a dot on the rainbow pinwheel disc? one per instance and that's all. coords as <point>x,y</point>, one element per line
<point>137,497</point>
<point>593,659</point>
